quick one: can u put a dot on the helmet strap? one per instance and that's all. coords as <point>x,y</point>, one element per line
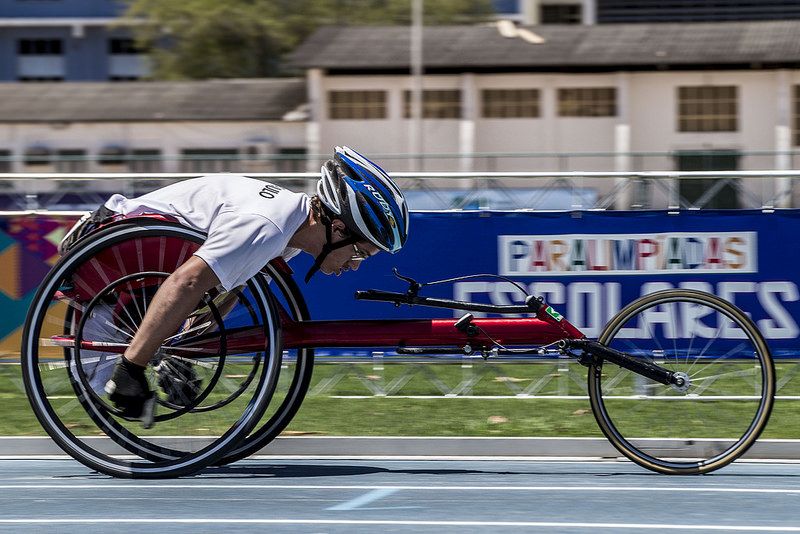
<point>328,247</point>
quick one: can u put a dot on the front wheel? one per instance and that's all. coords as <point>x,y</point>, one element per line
<point>723,406</point>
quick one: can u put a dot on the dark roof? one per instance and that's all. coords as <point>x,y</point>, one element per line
<point>565,47</point>
<point>215,100</point>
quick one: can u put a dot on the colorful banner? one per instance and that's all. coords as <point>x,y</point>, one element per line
<point>620,254</point>
<point>28,248</point>
<point>587,265</point>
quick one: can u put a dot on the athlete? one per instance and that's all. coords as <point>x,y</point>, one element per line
<point>357,212</point>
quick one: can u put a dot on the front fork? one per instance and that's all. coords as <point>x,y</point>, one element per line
<point>591,352</point>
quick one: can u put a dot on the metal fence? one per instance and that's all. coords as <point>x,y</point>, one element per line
<point>376,375</point>
<point>670,190</point>
<point>251,159</point>
<point>472,377</point>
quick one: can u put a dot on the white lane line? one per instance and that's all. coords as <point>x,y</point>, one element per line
<point>601,461</point>
<point>367,498</point>
<point>542,524</point>
<point>123,486</point>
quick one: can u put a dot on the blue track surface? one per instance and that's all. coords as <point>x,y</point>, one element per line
<point>281,495</point>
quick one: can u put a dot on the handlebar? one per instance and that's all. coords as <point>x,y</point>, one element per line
<point>531,305</point>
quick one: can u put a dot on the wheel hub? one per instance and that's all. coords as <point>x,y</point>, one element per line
<point>681,382</point>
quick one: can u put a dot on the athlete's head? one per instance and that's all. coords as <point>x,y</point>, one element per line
<point>360,201</point>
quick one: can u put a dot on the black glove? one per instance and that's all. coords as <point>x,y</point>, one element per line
<point>130,393</point>
<point>179,381</point>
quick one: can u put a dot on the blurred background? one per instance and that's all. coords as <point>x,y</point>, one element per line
<point>540,108</point>
<point>146,86</point>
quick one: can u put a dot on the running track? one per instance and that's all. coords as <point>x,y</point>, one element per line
<point>379,495</point>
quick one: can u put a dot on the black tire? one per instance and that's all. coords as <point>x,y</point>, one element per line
<point>728,398</point>
<point>295,391</point>
<point>50,395</point>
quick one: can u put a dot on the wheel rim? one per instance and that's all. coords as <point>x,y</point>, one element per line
<point>725,403</point>
<point>116,320</point>
<point>292,385</point>
<point>47,375</point>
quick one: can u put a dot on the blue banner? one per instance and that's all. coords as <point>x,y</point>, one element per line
<point>588,265</point>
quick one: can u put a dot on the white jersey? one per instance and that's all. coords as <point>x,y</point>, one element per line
<point>248,222</point>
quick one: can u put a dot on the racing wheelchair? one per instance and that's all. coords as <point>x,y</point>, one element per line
<point>675,361</point>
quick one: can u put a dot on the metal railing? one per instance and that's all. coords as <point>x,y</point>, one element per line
<point>375,375</point>
<point>670,190</point>
<point>242,160</point>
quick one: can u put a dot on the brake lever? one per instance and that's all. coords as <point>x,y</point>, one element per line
<point>413,285</point>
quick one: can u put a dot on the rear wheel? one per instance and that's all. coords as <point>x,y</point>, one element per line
<point>295,375</point>
<point>209,397</point>
<point>729,391</point>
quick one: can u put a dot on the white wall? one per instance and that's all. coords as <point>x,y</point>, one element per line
<point>654,105</point>
<point>646,123</point>
<point>650,112</point>
<point>391,135</point>
<point>169,137</point>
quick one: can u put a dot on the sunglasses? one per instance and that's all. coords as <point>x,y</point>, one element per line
<point>358,254</point>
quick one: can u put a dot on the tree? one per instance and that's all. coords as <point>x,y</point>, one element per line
<point>197,39</point>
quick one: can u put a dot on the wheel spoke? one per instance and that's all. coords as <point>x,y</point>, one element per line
<point>189,330</point>
<point>117,274</point>
<point>718,401</point>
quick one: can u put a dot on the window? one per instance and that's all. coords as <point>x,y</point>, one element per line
<point>40,79</point>
<point>40,60</point>
<point>144,160</point>
<point>707,108</point>
<point>436,104</point>
<point>37,155</point>
<point>123,47</point>
<point>5,161</point>
<point>587,102</point>
<point>291,160</point>
<point>796,114</point>
<point>71,161</point>
<point>696,190</point>
<point>357,104</point>
<point>561,14</point>
<point>112,155</point>
<point>39,47</point>
<point>502,103</point>
<point>126,61</point>
<point>694,10</point>
<point>210,160</point>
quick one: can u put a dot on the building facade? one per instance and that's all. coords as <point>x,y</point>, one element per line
<point>625,121</point>
<point>629,90</point>
<point>502,97</point>
<point>67,40</point>
<point>615,97</point>
<point>615,11</point>
<point>146,127</point>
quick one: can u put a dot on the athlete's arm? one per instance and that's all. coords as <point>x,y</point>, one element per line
<point>171,305</point>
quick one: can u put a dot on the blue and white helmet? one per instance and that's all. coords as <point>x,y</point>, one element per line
<point>362,195</point>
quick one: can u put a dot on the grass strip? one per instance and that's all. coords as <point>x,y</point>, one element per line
<point>396,416</point>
